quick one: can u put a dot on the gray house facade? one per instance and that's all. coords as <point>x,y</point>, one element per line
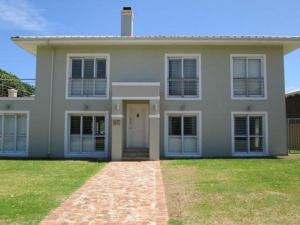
<point>120,97</point>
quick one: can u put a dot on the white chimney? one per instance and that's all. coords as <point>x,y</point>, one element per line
<point>126,22</point>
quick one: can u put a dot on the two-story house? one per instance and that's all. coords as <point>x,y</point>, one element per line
<point>116,97</point>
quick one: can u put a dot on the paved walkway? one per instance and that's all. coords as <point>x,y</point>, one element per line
<point>122,193</point>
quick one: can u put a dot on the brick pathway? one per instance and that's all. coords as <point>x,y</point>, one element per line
<point>122,193</point>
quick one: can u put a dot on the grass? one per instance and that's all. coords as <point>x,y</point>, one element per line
<point>233,191</point>
<point>29,190</point>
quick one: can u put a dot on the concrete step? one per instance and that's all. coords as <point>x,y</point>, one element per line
<point>135,154</point>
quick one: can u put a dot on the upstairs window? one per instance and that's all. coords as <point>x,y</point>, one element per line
<point>183,77</point>
<point>88,77</point>
<point>248,77</point>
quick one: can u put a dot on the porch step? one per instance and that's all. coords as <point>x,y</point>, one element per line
<point>135,154</point>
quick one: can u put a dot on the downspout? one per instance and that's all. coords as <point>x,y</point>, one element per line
<point>50,102</point>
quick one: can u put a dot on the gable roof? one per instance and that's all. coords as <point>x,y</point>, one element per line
<point>30,43</point>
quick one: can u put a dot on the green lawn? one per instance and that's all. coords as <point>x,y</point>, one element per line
<point>233,191</point>
<point>30,189</point>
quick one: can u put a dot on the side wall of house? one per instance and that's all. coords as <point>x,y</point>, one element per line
<point>147,64</point>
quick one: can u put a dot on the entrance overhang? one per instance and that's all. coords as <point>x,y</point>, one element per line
<point>135,90</point>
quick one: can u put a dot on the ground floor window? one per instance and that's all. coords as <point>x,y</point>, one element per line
<point>249,133</point>
<point>182,133</point>
<point>87,133</point>
<point>13,132</point>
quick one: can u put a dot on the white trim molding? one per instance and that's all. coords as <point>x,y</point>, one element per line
<point>67,153</point>
<point>15,153</point>
<point>265,133</point>
<point>263,58</point>
<point>135,84</point>
<point>199,75</point>
<point>199,133</point>
<point>68,74</point>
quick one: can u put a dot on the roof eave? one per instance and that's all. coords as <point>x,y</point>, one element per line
<point>30,44</point>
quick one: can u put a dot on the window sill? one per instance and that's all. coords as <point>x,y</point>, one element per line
<point>182,155</point>
<point>14,154</point>
<point>249,98</point>
<point>87,98</point>
<point>254,154</point>
<point>87,155</point>
<point>183,98</point>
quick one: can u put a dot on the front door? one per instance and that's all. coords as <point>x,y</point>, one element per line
<point>137,125</point>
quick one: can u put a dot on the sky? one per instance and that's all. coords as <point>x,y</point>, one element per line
<point>151,17</point>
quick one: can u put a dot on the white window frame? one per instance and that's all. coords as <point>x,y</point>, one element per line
<point>87,55</point>
<point>265,128</point>
<point>69,154</point>
<point>264,75</point>
<point>198,114</point>
<point>15,154</point>
<point>198,58</point>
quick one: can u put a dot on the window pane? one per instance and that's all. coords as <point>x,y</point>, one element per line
<point>239,67</point>
<point>9,133</point>
<point>88,143</point>
<point>21,124</point>
<point>175,68</point>
<point>191,87</point>
<point>240,126</point>
<point>87,125</point>
<point>240,86</point>
<point>101,68</point>
<point>21,143</point>
<point>256,125</point>
<point>88,68</point>
<point>9,143</point>
<point>241,144</point>
<point>190,144</point>
<point>254,67</point>
<point>0,125</point>
<point>76,87</point>
<point>75,143</point>
<point>174,144</point>
<point>88,87</point>
<point>75,125</point>
<point>100,87</point>
<point>190,68</point>
<point>76,68</point>
<point>255,87</point>
<point>9,125</point>
<point>174,125</point>
<point>256,144</point>
<point>99,125</point>
<point>175,87</point>
<point>190,125</point>
<point>99,143</point>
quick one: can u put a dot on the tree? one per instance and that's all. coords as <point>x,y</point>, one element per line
<point>11,81</point>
